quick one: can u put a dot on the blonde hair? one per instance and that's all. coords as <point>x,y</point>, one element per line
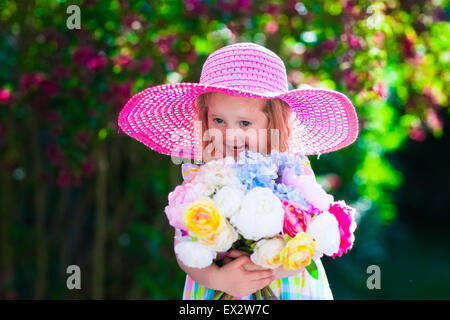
<point>277,112</point>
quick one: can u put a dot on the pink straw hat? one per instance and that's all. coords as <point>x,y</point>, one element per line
<point>164,117</point>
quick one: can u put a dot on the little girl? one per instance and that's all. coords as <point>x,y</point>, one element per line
<point>242,102</point>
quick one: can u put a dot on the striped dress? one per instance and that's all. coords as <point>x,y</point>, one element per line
<point>298,287</point>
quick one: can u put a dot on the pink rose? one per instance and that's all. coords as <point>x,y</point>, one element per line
<point>182,195</point>
<point>345,215</point>
<point>296,217</point>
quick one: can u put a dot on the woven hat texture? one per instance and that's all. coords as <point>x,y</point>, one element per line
<point>163,117</point>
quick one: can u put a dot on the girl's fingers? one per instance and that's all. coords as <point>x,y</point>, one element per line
<point>252,266</point>
<point>260,274</point>
<point>241,261</point>
<point>258,285</point>
<point>236,253</point>
<point>227,260</point>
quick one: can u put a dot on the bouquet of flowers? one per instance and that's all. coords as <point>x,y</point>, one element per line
<point>265,205</point>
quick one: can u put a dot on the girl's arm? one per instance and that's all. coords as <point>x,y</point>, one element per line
<point>233,278</point>
<point>207,277</point>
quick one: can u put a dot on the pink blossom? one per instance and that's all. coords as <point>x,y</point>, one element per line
<point>191,57</point>
<point>433,119</point>
<point>351,79</point>
<point>242,4</point>
<point>5,95</point>
<point>122,60</point>
<point>124,89</point>
<point>334,181</point>
<point>296,217</point>
<point>309,188</point>
<point>195,6</point>
<point>408,46</point>
<point>131,19</point>
<point>145,65</point>
<point>271,27</point>
<point>88,167</point>
<point>29,80</point>
<point>81,55</point>
<point>417,133</point>
<point>172,63</point>
<point>97,62</point>
<point>354,41</point>
<point>273,9</point>
<point>345,216</point>
<point>381,89</point>
<point>379,38</point>
<point>329,45</point>
<point>165,43</point>
<point>182,195</point>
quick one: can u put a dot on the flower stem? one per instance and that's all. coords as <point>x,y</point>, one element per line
<point>259,295</point>
<point>270,293</point>
<point>218,295</point>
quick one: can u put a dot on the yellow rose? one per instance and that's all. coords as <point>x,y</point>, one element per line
<point>223,239</point>
<point>298,252</point>
<point>202,218</point>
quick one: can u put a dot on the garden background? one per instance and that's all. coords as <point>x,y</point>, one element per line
<point>75,190</point>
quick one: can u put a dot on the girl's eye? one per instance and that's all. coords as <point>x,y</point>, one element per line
<point>217,120</point>
<point>245,123</point>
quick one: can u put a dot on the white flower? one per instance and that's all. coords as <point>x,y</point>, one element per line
<point>222,240</point>
<point>261,215</point>
<point>324,228</point>
<point>194,254</point>
<point>219,173</point>
<point>313,192</point>
<point>228,200</point>
<point>267,252</point>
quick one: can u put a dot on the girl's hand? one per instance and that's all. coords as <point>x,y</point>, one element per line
<point>278,273</point>
<point>234,279</point>
<point>234,254</point>
<point>281,272</point>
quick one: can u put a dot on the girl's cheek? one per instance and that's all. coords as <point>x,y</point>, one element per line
<point>262,143</point>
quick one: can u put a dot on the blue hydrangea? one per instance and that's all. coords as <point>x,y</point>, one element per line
<point>256,170</point>
<point>283,191</point>
<point>284,160</point>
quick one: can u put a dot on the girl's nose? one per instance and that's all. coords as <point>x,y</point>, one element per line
<point>234,137</point>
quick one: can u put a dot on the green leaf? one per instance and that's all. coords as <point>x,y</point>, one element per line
<point>312,270</point>
<point>287,238</point>
<point>246,249</point>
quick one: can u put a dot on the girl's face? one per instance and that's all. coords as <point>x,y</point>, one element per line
<point>235,123</point>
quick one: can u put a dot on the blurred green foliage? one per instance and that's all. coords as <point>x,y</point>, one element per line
<point>75,190</point>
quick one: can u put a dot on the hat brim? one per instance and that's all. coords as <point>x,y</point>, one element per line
<point>162,117</point>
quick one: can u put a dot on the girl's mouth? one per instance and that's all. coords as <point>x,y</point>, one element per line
<point>237,149</point>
